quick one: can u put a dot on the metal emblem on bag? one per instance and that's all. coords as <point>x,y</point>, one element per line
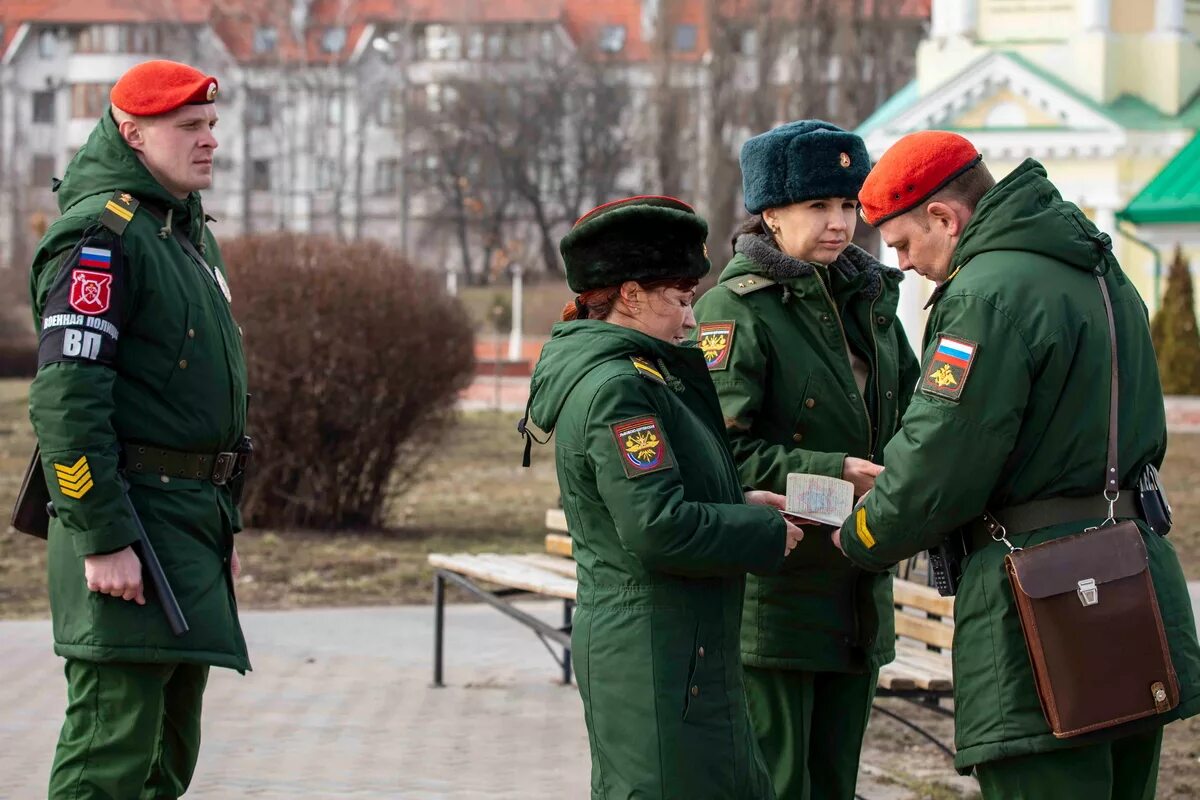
<point>1089,595</point>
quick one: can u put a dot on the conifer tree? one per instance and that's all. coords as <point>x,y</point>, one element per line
<point>1176,338</point>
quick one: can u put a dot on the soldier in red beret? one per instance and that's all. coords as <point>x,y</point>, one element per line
<point>139,405</point>
<point>1012,417</point>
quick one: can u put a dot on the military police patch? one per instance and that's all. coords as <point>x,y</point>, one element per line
<point>84,309</point>
<point>642,446</point>
<point>716,343</point>
<point>946,375</point>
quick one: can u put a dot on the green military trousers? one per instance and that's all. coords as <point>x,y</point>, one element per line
<point>132,731</point>
<point>1123,769</point>
<point>810,728</point>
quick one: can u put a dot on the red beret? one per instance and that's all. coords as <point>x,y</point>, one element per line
<point>158,87</point>
<point>912,171</point>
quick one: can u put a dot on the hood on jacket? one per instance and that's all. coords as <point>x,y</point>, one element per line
<point>573,350</point>
<point>1026,212</point>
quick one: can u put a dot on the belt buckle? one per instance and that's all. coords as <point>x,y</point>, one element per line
<point>223,468</point>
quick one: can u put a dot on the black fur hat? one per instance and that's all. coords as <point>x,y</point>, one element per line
<point>645,238</point>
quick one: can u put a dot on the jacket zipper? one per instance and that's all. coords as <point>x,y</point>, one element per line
<point>846,345</point>
<point>878,433</point>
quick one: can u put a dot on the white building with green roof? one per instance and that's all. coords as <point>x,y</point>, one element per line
<point>1105,93</point>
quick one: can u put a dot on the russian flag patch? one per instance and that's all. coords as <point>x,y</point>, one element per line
<point>946,375</point>
<point>95,257</point>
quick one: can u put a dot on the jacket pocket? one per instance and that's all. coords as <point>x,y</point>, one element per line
<point>186,348</point>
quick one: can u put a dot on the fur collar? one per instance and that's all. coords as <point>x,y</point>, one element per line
<point>779,266</point>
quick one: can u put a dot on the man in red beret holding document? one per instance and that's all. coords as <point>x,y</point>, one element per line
<point>1026,463</point>
<point>139,405</point>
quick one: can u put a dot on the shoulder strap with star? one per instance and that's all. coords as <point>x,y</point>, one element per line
<point>745,284</point>
<point>118,211</point>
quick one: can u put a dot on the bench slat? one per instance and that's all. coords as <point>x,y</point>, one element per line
<point>556,520</point>
<point>506,571</point>
<point>920,678</point>
<point>558,545</point>
<point>925,598</point>
<point>924,630</point>
<point>889,678</point>
<point>555,564</point>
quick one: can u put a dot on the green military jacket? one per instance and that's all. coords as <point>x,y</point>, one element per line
<point>138,345</point>
<point>1012,407</point>
<point>774,333</point>
<point>662,538</point>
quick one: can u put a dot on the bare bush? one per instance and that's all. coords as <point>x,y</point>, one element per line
<point>355,360</point>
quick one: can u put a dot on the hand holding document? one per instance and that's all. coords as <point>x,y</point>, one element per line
<point>819,499</point>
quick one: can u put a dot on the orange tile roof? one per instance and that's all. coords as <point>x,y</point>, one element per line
<point>235,21</point>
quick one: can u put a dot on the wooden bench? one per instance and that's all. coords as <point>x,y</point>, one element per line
<point>921,672</point>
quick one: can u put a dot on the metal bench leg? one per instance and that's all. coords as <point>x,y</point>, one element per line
<point>568,609</point>
<point>439,624</point>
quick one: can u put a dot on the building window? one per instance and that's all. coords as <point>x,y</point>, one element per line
<point>442,43</point>
<point>385,109</point>
<point>43,172</point>
<point>259,108</point>
<point>748,42</point>
<point>266,39</point>
<point>89,100</point>
<point>333,40</point>
<point>612,39</point>
<point>475,45</point>
<point>103,39</point>
<point>685,38</point>
<point>387,176</point>
<point>260,175</point>
<point>334,106</point>
<point>43,106</point>
<point>145,39</point>
<point>326,172</point>
<point>495,45</point>
<point>47,44</point>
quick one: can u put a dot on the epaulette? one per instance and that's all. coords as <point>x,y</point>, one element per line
<point>647,370</point>
<point>118,211</point>
<point>747,283</point>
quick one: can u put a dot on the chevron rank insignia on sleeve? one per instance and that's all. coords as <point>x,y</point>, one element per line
<point>76,480</point>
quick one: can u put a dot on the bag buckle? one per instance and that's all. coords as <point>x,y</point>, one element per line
<point>224,468</point>
<point>1089,595</point>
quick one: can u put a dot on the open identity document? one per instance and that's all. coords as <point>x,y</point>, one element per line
<point>818,498</point>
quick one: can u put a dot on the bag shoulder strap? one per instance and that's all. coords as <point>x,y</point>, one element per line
<point>1112,478</point>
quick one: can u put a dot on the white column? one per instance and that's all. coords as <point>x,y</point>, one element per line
<point>514,334</point>
<point>1168,16</point>
<point>952,18</point>
<point>1095,15</point>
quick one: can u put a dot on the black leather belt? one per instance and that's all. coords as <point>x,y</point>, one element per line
<point>147,459</point>
<point>1038,514</point>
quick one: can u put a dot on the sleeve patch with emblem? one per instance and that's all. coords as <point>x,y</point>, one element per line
<point>946,375</point>
<point>642,446</point>
<point>860,527</point>
<point>716,343</point>
<point>83,311</point>
<point>74,480</point>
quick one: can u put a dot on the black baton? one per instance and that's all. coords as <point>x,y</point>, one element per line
<point>154,571</point>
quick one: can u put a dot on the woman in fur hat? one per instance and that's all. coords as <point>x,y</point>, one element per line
<point>814,372</point>
<point>662,532</point>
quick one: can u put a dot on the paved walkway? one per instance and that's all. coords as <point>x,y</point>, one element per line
<point>340,706</point>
